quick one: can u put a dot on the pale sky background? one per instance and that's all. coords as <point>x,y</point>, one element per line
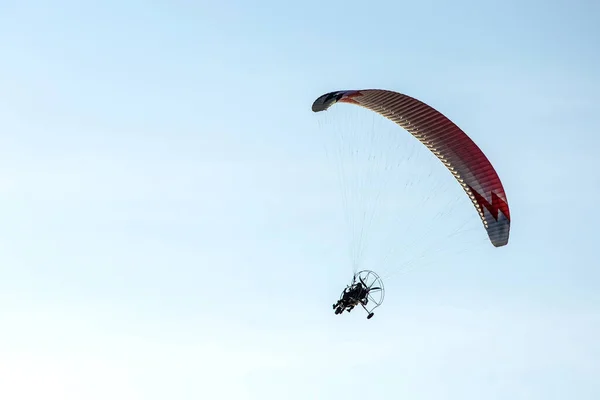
<point>169,230</point>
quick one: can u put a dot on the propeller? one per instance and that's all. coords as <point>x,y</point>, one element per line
<point>363,282</point>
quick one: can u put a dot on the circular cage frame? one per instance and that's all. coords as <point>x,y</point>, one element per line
<point>370,279</point>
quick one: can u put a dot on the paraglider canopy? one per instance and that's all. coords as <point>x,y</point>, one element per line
<point>457,151</point>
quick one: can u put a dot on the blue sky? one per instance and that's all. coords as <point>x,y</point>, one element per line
<point>170,227</point>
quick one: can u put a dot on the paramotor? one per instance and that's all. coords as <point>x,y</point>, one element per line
<point>366,289</point>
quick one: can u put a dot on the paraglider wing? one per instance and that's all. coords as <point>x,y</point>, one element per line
<point>463,158</point>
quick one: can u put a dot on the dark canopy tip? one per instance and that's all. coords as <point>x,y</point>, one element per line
<point>327,100</point>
